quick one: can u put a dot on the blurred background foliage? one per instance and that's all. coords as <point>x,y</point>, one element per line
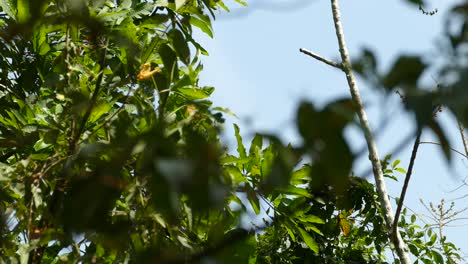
<point>110,149</point>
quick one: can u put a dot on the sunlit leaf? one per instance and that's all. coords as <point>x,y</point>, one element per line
<point>240,144</point>
<point>206,28</point>
<point>309,240</point>
<point>254,201</point>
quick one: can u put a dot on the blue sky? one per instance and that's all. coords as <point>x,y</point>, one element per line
<point>260,75</point>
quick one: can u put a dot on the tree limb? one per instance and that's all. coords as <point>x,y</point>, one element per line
<point>373,154</point>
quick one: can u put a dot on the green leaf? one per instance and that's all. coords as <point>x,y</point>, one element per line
<point>8,7</point>
<point>401,170</point>
<point>433,240</point>
<point>225,110</point>
<point>309,240</point>
<point>149,49</point>
<point>289,226</point>
<point>311,227</point>
<point>312,219</point>
<point>292,190</point>
<point>23,12</point>
<point>256,144</point>
<point>40,145</point>
<point>169,59</point>
<point>240,145</point>
<point>395,163</point>
<point>195,93</point>
<point>235,174</point>
<point>300,176</point>
<point>390,176</point>
<point>205,27</point>
<point>437,257</point>
<point>99,110</point>
<point>413,249</point>
<point>253,199</point>
<point>233,159</point>
<point>180,45</point>
<point>241,2</point>
<point>268,159</point>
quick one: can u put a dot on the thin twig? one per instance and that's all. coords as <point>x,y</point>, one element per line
<point>322,59</point>
<point>406,183</point>
<point>452,149</point>
<point>464,183</point>
<point>397,241</point>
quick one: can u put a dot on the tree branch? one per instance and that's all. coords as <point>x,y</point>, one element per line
<point>464,140</point>
<point>322,59</point>
<point>452,149</point>
<point>406,183</point>
<point>373,154</point>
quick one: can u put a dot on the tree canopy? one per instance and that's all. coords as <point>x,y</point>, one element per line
<point>110,150</point>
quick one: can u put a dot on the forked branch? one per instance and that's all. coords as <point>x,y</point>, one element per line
<point>345,64</point>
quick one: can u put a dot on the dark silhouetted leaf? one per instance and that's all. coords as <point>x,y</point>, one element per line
<point>405,71</point>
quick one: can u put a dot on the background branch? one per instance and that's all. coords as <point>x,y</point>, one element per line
<point>406,183</point>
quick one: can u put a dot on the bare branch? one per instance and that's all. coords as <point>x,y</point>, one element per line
<point>322,59</point>
<point>397,240</point>
<point>406,183</point>
<point>452,149</point>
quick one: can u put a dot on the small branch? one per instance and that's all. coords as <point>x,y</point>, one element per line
<point>322,59</point>
<point>406,183</point>
<point>452,149</point>
<point>464,140</point>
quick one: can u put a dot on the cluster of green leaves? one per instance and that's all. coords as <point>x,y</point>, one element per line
<point>94,144</point>
<point>425,243</point>
<point>110,150</point>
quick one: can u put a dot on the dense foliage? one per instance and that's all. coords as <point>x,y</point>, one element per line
<point>110,150</point>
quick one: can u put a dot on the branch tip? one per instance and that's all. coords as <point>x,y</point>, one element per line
<point>322,59</point>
